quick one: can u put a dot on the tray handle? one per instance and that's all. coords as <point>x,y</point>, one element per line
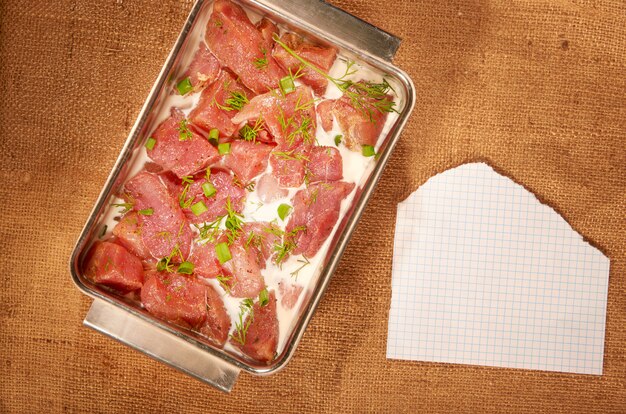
<point>331,20</point>
<point>160,345</point>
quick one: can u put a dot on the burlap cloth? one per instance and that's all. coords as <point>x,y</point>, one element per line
<point>535,88</point>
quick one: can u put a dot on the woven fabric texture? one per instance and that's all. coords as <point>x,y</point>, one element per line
<point>536,88</point>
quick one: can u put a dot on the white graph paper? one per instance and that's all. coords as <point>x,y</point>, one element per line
<point>485,274</point>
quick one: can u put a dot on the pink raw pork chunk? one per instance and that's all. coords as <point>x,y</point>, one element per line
<point>240,46</point>
<point>205,260</point>
<point>246,159</point>
<point>261,339</point>
<point>289,294</point>
<point>291,121</point>
<point>325,164</point>
<point>289,165</point>
<point>268,30</point>
<point>321,57</point>
<point>360,126</point>
<point>325,112</point>
<point>183,153</point>
<point>128,235</point>
<point>243,271</point>
<point>268,189</point>
<point>213,110</point>
<point>225,190</point>
<point>262,237</point>
<point>315,212</point>
<point>186,302</point>
<point>203,68</point>
<point>112,265</point>
<point>166,227</point>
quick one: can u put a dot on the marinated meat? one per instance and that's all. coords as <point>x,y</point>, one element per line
<point>315,212</point>
<point>164,227</point>
<point>240,46</point>
<point>111,265</point>
<point>178,148</point>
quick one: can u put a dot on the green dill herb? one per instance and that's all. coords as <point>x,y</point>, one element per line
<point>364,96</point>
<point>245,318</point>
<point>184,133</point>
<point>262,62</point>
<point>304,263</point>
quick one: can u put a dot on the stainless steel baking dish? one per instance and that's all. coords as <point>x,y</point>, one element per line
<point>177,347</point>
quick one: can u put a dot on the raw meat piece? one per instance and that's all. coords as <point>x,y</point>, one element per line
<point>112,265</point>
<point>289,119</point>
<point>226,189</point>
<point>203,69</point>
<point>217,323</point>
<point>321,57</point>
<point>212,110</point>
<point>268,29</point>
<point>246,159</point>
<point>262,236</point>
<point>181,157</point>
<point>205,260</point>
<point>237,44</point>
<point>268,189</point>
<point>166,228</point>
<point>316,210</point>
<point>325,164</point>
<point>128,235</point>
<point>288,164</point>
<point>186,302</point>
<point>244,271</point>
<point>360,126</point>
<point>325,112</point>
<point>261,339</point>
<point>289,294</point>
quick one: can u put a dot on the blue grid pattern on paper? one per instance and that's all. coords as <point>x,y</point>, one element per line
<point>485,274</point>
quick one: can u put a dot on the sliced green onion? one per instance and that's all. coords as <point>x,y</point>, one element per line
<point>283,211</point>
<point>150,143</point>
<point>368,151</point>
<point>184,86</point>
<point>214,136</point>
<point>146,212</point>
<point>186,268</point>
<point>287,85</point>
<point>264,297</point>
<point>224,148</point>
<point>338,139</point>
<point>198,208</point>
<point>208,189</point>
<point>223,252</point>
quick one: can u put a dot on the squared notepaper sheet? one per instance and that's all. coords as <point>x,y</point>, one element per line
<point>485,274</point>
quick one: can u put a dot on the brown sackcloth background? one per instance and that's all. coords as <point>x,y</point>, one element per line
<point>537,88</point>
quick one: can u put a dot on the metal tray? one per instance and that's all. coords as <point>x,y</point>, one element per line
<point>181,348</point>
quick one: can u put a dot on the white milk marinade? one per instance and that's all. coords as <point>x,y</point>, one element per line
<point>356,169</point>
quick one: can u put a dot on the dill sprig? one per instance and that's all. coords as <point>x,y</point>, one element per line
<point>262,62</point>
<point>284,249</point>
<point>364,95</point>
<point>126,207</point>
<point>209,231</point>
<point>184,133</point>
<point>249,133</point>
<point>245,318</point>
<point>304,264</point>
<point>183,200</point>
<point>290,155</point>
<point>224,282</point>
<point>166,263</point>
